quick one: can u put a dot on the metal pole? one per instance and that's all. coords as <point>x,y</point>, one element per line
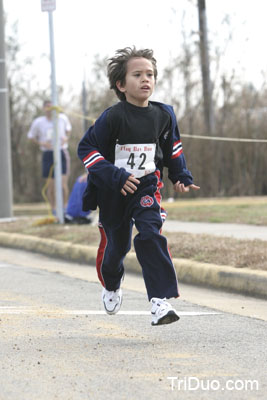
<point>56,138</point>
<point>6,196</point>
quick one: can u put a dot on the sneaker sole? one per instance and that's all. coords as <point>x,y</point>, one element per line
<point>167,319</point>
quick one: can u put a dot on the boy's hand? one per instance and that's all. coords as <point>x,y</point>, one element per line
<point>180,187</point>
<point>129,185</point>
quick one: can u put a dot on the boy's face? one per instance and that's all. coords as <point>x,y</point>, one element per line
<point>139,81</point>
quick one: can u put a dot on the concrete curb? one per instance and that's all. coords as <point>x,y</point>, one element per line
<point>244,281</point>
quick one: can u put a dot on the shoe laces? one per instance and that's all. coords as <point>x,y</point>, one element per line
<point>159,304</point>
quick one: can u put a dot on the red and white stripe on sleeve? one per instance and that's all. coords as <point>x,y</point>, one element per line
<point>92,158</point>
<point>177,149</point>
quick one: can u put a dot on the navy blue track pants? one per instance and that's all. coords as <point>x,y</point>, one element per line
<point>150,246</point>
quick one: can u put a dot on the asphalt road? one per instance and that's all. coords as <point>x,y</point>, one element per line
<point>56,342</point>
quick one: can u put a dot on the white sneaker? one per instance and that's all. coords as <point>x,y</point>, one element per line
<point>112,300</point>
<point>162,312</point>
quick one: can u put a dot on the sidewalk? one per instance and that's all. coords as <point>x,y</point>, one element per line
<point>238,231</point>
<point>244,281</point>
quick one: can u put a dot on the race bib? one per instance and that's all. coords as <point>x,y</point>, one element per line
<point>137,159</point>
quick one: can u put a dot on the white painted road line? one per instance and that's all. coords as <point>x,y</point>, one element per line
<point>24,310</point>
<point>93,312</point>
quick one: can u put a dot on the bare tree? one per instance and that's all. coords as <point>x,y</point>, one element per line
<point>205,68</point>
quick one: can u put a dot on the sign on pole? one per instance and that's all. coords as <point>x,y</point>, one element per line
<point>48,5</point>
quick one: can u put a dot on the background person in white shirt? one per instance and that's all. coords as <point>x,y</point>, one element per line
<point>41,133</point>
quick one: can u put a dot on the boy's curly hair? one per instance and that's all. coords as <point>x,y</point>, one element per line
<point>117,66</point>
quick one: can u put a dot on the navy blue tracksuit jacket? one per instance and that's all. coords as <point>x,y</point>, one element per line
<point>124,124</point>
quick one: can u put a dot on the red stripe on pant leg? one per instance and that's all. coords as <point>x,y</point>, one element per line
<point>100,254</point>
<point>159,186</point>
<point>158,197</point>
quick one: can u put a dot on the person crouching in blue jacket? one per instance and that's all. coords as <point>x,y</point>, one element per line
<point>125,152</point>
<point>74,211</point>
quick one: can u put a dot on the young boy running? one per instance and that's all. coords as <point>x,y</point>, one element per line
<point>125,152</point>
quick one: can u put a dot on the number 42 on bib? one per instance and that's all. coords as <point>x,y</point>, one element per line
<point>137,159</point>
